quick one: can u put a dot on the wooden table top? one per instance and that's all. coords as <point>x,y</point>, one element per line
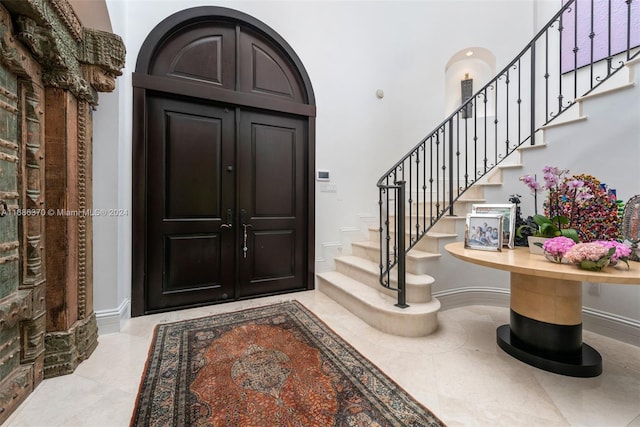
<point>519,260</point>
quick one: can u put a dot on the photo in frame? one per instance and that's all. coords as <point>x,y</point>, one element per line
<point>484,232</point>
<point>508,211</point>
<point>631,225</point>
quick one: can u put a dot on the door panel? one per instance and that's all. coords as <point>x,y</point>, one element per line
<point>202,52</point>
<point>272,153</point>
<point>264,70</point>
<point>274,254</point>
<point>273,162</point>
<point>192,261</point>
<point>193,165</point>
<point>190,192</point>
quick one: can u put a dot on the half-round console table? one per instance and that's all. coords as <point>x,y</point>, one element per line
<point>545,327</point>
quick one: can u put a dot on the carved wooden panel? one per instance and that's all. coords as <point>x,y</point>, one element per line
<point>228,56</point>
<point>193,168</point>
<point>202,53</point>
<point>22,307</point>
<point>264,70</point>
<point>9,244</point>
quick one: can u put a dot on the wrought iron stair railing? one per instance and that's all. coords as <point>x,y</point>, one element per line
<point>583,45</point>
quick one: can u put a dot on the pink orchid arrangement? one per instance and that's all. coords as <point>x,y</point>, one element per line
<point>562,190</point>
<point>558,221</point>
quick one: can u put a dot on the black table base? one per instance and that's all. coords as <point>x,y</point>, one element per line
<point>584,362</point>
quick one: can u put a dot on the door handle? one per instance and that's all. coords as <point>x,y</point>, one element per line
<point>243,219</point>
<point>229,223</point>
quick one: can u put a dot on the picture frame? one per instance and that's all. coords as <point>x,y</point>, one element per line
<point>508,211</point>
<point>631,225</point>
<point>484,232</point>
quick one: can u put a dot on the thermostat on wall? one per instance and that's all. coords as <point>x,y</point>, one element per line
<point>323,175</point>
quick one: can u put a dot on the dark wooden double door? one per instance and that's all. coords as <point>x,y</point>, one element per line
<point>226,210</point>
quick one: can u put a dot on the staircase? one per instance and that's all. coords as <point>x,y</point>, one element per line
<point>443,178</point>
<point>355,283</point>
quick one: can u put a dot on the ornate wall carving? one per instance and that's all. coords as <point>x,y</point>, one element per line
<point>81,60</point>
<point>53,65</point>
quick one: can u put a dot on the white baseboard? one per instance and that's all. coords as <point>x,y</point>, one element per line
<point>610,325</point>
<point>110,321</point>
<point>461,297</point>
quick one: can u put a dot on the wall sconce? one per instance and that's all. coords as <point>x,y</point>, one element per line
<point>466,89</point>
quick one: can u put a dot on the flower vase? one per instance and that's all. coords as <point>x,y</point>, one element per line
<point>553,258</point>
<point>533,248</point>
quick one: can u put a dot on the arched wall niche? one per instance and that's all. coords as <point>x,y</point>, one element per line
<point>478,64</point>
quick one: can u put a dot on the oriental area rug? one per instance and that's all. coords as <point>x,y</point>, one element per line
<point>277,365</point>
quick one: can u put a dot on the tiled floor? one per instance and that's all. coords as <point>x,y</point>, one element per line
<point>458,372</point>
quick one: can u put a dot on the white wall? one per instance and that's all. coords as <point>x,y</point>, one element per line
<point>350,49</point>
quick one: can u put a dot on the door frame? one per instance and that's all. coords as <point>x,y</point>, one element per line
<point>143,82</point>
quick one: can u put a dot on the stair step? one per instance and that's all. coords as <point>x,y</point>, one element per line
<point>417,260</point>
<point>627,85</point>
<point>377,309</point>
<point>446,224</point>
<point>492,178</point>
<point>443,202</point>
<point>527,147</point>
<point>510,166</point>
<point>430,242</point>
<point>433,234</point>
<point>418,286</point>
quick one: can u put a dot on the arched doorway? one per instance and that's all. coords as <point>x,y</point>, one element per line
<point>223,157</point>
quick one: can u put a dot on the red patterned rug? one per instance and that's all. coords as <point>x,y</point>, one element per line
<point>277,365</point>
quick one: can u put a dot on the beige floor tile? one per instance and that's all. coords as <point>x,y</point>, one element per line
<point>458,372</point>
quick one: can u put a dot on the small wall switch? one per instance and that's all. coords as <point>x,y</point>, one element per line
<point>322,175</point>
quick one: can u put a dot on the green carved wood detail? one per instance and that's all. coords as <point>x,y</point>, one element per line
<point>9,351</point>
<point>9,257</point>
<point>83,61</point>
